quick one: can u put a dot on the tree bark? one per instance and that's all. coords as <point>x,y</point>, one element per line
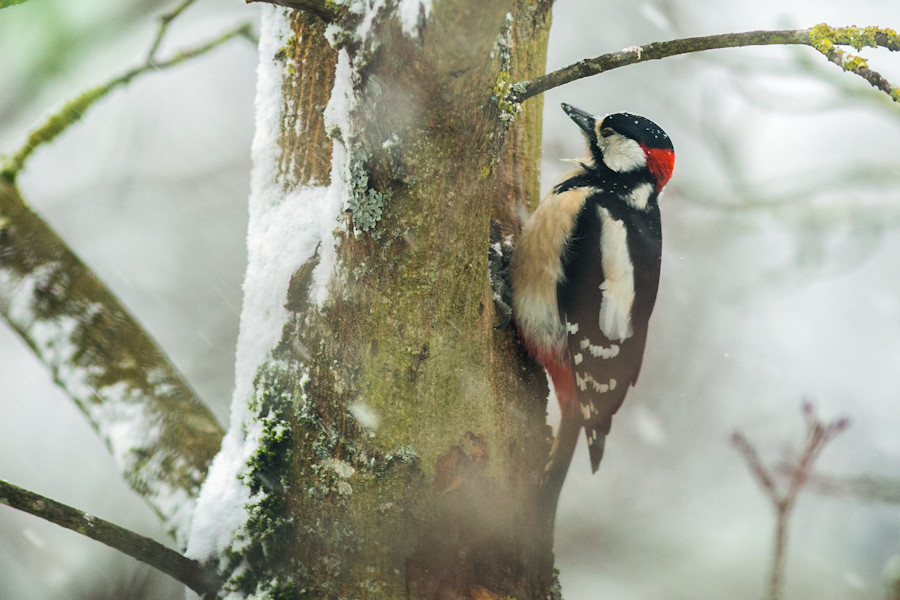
<point>402,437</point>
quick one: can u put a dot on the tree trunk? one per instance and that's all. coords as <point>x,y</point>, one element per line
<point>394,440</point>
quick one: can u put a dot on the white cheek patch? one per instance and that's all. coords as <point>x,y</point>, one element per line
<point>639,196</point>
<point>621,154</point>
<point>618,285</point>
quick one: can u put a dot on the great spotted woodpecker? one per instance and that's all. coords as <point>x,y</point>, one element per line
<point>585,272</point>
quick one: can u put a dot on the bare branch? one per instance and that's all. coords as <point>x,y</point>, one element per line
<point>864,487</point>
<point>160,434</point>
<point>756,467</point>
<point>164,21</point>
<point>821,37</point>
<point>325,10</point>
<point>73,110</point>
<point>818,434</point>
<point>137,546</point>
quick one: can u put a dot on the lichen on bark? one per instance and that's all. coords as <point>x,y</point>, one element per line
<point>400,444</point>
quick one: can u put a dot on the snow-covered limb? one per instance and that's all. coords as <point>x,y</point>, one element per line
<point>160,435</point>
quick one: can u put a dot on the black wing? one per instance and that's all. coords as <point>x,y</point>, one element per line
<point>606,356</point>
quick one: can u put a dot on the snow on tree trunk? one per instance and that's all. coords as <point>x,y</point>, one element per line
<point>386,440</point>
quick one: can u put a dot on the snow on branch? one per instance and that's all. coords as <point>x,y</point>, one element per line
<point>161,436</point>
<point>823,38</point>
<point>137,546</point>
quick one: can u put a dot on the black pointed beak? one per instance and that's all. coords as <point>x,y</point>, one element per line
<point>582,119</point>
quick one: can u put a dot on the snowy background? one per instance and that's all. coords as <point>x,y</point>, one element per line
<point>780,282</point>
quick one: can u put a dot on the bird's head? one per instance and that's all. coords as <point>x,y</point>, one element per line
<point>626,143</point>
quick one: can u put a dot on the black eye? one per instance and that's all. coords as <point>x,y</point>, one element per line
<point>606,132</point>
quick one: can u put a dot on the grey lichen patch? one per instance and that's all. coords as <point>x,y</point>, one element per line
<point>504,95</point>
<point>364,203</point>
<point>366,156</point>
<point>505,89</point>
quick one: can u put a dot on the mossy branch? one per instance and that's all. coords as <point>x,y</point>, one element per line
<point>148,551</point>
<point>72,111</point>
<point>823,38</point>
<point>160,434</point>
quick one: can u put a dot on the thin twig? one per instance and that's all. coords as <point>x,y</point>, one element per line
<point>150,552</point>
<point>865,487</point>
<point>821,37</point>
<point>818,434</point>
<point>73,110</point>
<point>164,21</point>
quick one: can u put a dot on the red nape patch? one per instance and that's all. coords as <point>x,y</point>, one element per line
<point>661,162</point>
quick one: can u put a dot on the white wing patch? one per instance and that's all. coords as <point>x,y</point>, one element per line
<point>599,351</point>
<point>584,379</point>
<point>618,285</point>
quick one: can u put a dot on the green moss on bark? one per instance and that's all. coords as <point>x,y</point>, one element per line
<point>410,427</point>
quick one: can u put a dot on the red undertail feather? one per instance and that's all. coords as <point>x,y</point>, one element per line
<point>559,369</point>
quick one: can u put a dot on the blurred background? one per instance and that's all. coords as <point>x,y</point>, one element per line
<point>780,283</point>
